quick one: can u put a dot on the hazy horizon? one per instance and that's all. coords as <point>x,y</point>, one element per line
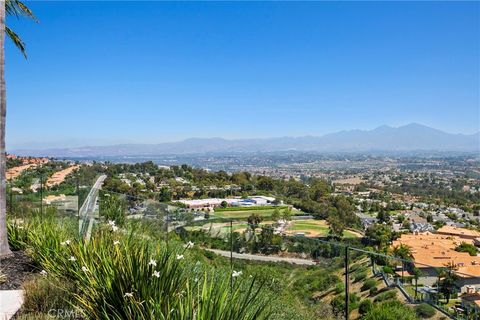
<point>75,143</point>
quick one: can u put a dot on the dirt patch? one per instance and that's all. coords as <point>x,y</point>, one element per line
<point>16,269</point>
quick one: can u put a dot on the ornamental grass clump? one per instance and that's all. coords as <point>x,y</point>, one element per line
<point>124,275</point>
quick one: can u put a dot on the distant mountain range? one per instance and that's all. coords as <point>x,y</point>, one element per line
<point>411,137</point>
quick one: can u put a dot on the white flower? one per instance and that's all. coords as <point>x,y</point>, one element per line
<point>179,256</point>
<point>65,243</point>
<point>128,294</point>
<point>114,228</point>
<point>152,263</point>
<point>43,273</point>
<point>72,258</point>
<point>84,269</point>
<point>236,273</point>
<point>189,244</point>
<point>156,274</point>
<point>116,243</point>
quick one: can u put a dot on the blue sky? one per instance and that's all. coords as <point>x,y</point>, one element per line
<point>110,72</point>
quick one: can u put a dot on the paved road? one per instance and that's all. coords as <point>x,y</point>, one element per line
<point>88,206</point>
<point>87,210</point>
<point>247,256</point>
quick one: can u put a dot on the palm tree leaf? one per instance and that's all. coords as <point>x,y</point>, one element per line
<point>18,9</point>
<point>16,40</point>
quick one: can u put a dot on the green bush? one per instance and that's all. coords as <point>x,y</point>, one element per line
<point>359,276</point>
<point>368,284</point>
<point>467,247</point>
<point>388,270</point>
<point>424,310</point>
<point>365,306</point>
<point>388,295</point>
<point>339,288</point>
<point>338,303</point>
<point>391,310</point>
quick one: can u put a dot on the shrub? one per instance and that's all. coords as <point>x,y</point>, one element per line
<point>338,303</point>
<point>45,293</point>
<point>339,288</point>
<point>388,295</point>
<point>365,306</point>
<point>467,247</point>
<point>359,276</point>
<point>388,270</point>
<point>368,284</point>
<point>391,310</point>
<point>424,310</point>
<point>114,280</point>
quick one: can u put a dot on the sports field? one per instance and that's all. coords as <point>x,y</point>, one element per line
<point>246,212</point>
<point>314,228</point>
<point>311,228</point>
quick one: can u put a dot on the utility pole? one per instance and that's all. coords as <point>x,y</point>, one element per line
<point>346,283</point>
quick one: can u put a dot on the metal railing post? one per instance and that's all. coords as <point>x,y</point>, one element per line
<point>78,195</point>
<point>346,283</point>
<point>41,193</point>
<point>231,255</point>
<point>11,197</point>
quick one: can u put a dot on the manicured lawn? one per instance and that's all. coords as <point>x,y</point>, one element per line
<point>303,225</point>
<point>243,213</point>
<point>246,212</point>
<point>315,228</point>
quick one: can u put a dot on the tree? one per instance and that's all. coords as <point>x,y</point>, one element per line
<point>10,8</point>
<point>253,221</point>
<point>379,234</point>
<point>336,225</point>
<point>403,252</point>
<point>276,214</point>
<point>383,216</point>
<point>416,274</point>
<point>164,195</point>
<point>287,214</point>
<point>447,284</point>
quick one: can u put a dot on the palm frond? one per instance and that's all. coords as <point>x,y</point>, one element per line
<point>16,40</point>
<point>18,9</point>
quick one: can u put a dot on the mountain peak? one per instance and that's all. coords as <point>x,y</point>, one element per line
<point>410,137</point>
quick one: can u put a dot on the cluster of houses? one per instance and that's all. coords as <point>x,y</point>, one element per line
<point>433,250</point>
